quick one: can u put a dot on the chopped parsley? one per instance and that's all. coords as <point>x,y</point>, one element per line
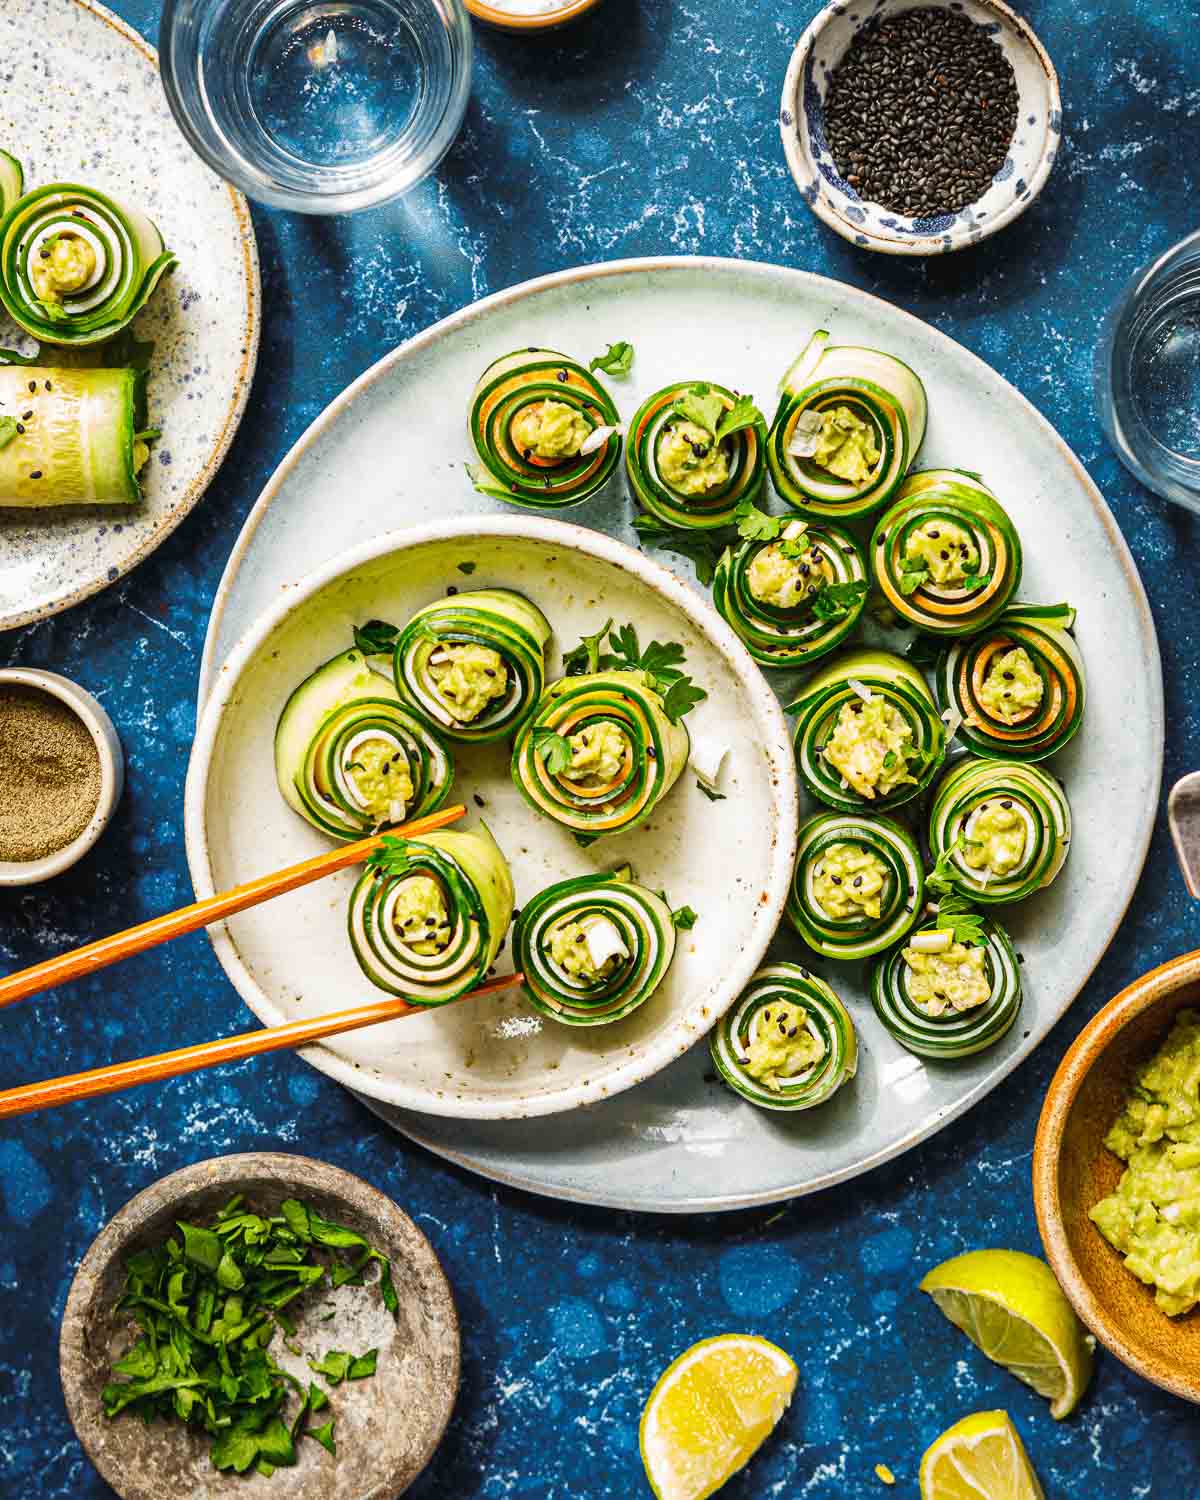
<point>703,548</point>
<point>912,575</point>
<point>617,359</point>
<point>374,637</point>
<point>662,661</point>
<point>965,926</point>
<point>553,748</point>
<point>835,600</point>
<point>684,918</point>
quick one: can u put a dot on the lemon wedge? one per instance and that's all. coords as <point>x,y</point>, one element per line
<point>980,1458</point>
<point>1010,1306</point>
<point>711,1410</point>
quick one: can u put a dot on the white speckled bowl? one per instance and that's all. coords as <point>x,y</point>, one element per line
<point>1015,186</point>
<point>112,773</point>
<point>497,1059</point>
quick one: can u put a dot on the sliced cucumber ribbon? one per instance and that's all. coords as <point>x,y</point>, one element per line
<point>632,918</point>
<point>476,889</point>
<point>879,390</point>
<point>128,256</point>
<point>12,181</point>
<point>854,932</point>
<point>792,635</point>
<point>72,438</point>
<point>826,1018</point>
<point>499,620</point>
<point>953,1033</point>
<point>969,670</point>
<point>344,738</point>
<point>838,693</point>
<point>656,751</point>
<point>506,391</point>
<point>1027,798</point>
<point>964,503</point>
<point>651,427</point>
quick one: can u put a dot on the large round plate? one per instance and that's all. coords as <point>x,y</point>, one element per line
<point>497,1058</point>
<point>82,102</point>
<point>681,1142</point>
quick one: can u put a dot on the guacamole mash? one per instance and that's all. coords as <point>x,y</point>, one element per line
<point>1013,688</point>
<point>1153,1217</point>
<point>869,746</point>
<point>995,838</point>
<point>782,1046</point>
<point>947,550</point>
<point>379,777</point>
<point>690,460</point>
<point>849,882</point>
<point>785,577</point>
<point>419,915</point>
<point>64,263</point>
<point>467,678</point>
<point>598,752</point>
<point>955,979</point>
<point>588,948</point>
<point>845,446</point>
<point>549,429</point>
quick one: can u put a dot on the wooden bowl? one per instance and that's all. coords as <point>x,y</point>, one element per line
<point>1072,1171</point>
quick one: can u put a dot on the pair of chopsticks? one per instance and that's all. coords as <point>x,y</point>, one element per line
<point>95,956</point>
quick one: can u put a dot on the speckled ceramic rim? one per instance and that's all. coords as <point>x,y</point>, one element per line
<point>306,1175</point>
<point>504,20</point>
<point>804,169</point>
<point>477,313</point>
<point>239,397</point>
<point>1095,1038</point>
<point>112,773</point>
<point>773,735</point>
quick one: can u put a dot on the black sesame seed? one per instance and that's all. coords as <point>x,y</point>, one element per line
<point>562,377</point>
<point>36,474</point>
<point>33,385</point>
<point>21,428</point>
<point>25,415</point>
<point>49,387</point>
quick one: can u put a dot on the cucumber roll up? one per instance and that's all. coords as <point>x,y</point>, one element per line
<point>351,757</point>
<point>847,429</point>
<point>545,429</point>
<point>1018,686</point>
<point>787,1042</point>
<point>594,948</point>
<point>474,663</point>
<point>858,884</point>
<point>695,450</point>
<point>944,554</point>
<point>77,266</point>
<point>428,915</point>
<point>868,736</point>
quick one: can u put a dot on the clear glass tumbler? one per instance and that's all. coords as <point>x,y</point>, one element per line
<point>1148,375</point>
<point>322,106</point>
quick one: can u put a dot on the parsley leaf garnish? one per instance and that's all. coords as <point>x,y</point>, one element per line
<point>955,916</point>
<point>553,748</point>
<point>709,792</point>
<point>661,660</point>
<point>616,359</point>
<point>836,600</point>
<point>974,580</point>
<point>391,857</point>
<point>703,548</point>
<point>743,413</point>
<point>681,697</point>
<point>939,878</point>
<point>699,404</point>
<point>755,525</point>
<point>586,656</point>
<point>913,575</point>
<point>374,637</point>
<point>684,918</point>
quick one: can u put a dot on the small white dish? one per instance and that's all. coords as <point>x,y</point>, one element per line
<point>112,773</point>
<point>870,225</point>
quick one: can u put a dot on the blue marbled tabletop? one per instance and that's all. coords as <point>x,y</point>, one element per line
<point>648,129</point>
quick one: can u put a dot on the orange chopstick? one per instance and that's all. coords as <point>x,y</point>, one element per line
<point>110,950</point>
<point>54,1091</point>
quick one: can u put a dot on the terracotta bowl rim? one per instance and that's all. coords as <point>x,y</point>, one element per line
<point>1154,987</point>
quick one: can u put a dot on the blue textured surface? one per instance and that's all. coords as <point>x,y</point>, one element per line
<point>650,128</point>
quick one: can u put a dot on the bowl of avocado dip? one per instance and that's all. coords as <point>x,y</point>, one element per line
<point>1116,1176</point>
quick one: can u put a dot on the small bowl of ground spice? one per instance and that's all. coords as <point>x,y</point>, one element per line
<point>61,774</point>
<point>919,128</point>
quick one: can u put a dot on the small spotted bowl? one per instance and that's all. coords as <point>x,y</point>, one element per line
<point>1015,185</point>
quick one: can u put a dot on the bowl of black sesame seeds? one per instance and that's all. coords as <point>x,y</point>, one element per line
<point>915,127</point>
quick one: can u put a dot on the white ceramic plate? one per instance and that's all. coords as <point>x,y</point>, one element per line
<point>497,1058</point>
<point>82,102</point>
<point>682,1142</point>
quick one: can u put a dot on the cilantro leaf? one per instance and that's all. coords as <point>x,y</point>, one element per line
<point>755,525</point>
<point>684,918</point>
<point>954,915</point>
<point>709,792</point>
<point>585,658</point>
<point>374,637</point>
<point>553,748</point>
<point>742,414</point>
<point>617,359</point>
<point>681,697</point>
<point>8,430</point>
<point>391,857</point>
<point>836,600</point>
<point>699,405</point>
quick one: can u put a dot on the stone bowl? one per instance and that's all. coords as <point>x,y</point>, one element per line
<point>387,1427</point>
<point>870,225</point>
<point>1072,1171</point>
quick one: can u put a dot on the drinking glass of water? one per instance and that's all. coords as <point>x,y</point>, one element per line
<point>1148,375</point>
<point>322,106</point>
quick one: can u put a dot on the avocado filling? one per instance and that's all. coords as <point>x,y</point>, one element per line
<point>380,778</point>
<point>849,882</point>
<point>995,838</point>
<point>1013,687</point>
<point>549,429</point>
<point>785,573</point>
<point>1153,1217</point>
<point>589,948</point>
<point>782,1046</point>
<point>955,979</point>
<point>845,446</point>
<point>869,746</point>
<point>64,263</point>
<point>420,916</point>
<point>690,460</point>
<point>467,678</point>
<point>598,754</point>
<point>947,551</point>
